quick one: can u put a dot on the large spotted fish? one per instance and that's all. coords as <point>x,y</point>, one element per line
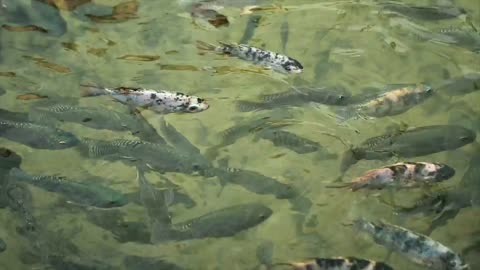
<point>339,263</point>
<point>389,103</point>
<point>402,175</point>
<point>156,100</point>
<point>416,247</point>
<point>278,62</point>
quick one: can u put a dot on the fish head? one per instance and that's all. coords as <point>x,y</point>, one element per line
<point>9,159</point>
<point>425,90</point>
<point>443,172</point>
<point>257,213</point>
<point>196,104</point>
<point>63,139</point>
<point>292,66</point>
<point>458,136</point>
<point>455,262</point>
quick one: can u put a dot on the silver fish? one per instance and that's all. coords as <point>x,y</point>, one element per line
<point>418,248</point>
<point>159,101</point>
<point>277,62</point>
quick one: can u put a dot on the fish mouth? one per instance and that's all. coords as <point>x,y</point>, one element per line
<point>296,71</point>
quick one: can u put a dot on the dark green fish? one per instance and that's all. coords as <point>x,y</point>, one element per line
<point>3,245</point>
<point>132,262</point>
<point>284,30</point>
<point>13,116</point>
<point>255,182</point>
<point>2,91</point>
<point>58,262</point>
<point>83,193</point>
<point>220,223</point>
<point>20,200</point>
<point>264,253</point>
<point>252,24</point>
<point>423,12</point>
<point>297,97</point>
<point>159,157</point>
<point>414,142</point>
<point>37,136</point>
<point>293,142</point>
<point>461,85</point>
<point>9,159</point>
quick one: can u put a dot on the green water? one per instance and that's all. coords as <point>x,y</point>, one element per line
<point>338,42</point>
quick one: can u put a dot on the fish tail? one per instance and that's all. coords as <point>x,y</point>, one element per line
<point>204,46</point>
<point>92,91</point>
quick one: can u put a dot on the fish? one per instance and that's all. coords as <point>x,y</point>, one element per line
<point>252,24</point>
<point>403,175</point>
<point>159,157</point>
<point>203,14</point>
<point>296,97</point>
<point>9,159</point>
<point>255,182</point>
<point>2,91</point>
<point>82,193</point>
<point>20,200</point>
<point>390,103</point>
<point>416,247</point>
<point>160,101</point>
<point>293,142</point>
<point>461,85</point>
<point>225,222</point>
<point>57,262</point>
<point>429,13</point>
<point>338,263</point>
<point>132,262</point>
<point>264,253</point>
<point>97,119</point>
<point>414,142</point>
<point>277,62</point>
<point>37,136</point>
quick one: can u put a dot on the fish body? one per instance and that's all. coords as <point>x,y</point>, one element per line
<point>390,103</point>
<point>292,141</point>
<point>252,24</point>
<point>220,223</point>
<point>156,100</point>
<point>133,262</point>
<point>8,160</point>
<point>160,157</point>
<point>284,31</point>
<point>415,142</point>
<point>298,96</point>
<point>417,247</point>
<point>460,85</point>
<point>37,136</point>
<point>424,12</point>
<point>256,182</point>
<point>339,263</point>
<point>277,62</point>
<point>90,194</point>
<point>403,175</point>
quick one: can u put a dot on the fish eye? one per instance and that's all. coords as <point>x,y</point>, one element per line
<point>193,108</point>
<point>341,97</point>
<point>464,138</point>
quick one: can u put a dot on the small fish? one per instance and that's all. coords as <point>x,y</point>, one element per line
<point>391,103</point>
<point>145,58</point>
<point>158,101</point>
<point>83,193</point>
<point>30,96</point>
<point>293,142</point>
<point>120,13</point>
<point>219,223</point>
<point>416,247</point>
<point>37,136</point>
<point>26,28</point>
<point>403,175</point>
<point>3,245</point>
<point>460,85</point>
<point>20,200</point>
<point>338,263</point>
<point>275,61</point>
<point>296,97</point>
<point>424,12</point>
<point>284,30</point>
<point>201,13</point>
<point>252,24</point>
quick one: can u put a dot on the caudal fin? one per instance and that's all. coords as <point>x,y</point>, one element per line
<point>204,46</point>
<point>92,91</point>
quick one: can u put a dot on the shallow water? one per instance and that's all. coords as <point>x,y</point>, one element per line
<point>338,42</point>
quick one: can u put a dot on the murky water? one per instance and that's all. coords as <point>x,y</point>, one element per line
<point>339,43</point>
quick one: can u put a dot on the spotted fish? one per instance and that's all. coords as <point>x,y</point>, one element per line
<point>418,248</point>
<point>339,263</point>
<point>278,62</point>
<point>403,175</point>
<point>390,103</point>
<point>156,100</point>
